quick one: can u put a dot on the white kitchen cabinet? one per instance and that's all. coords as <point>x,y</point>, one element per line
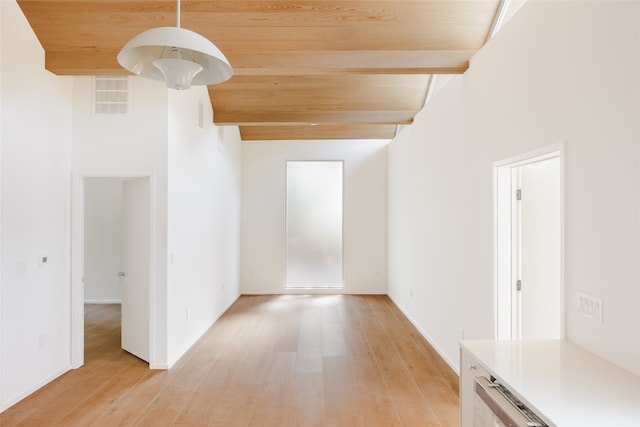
<point>564,384</point>
<point>469,370</point>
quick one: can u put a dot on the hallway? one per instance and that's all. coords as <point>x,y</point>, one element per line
<point>268,361</point>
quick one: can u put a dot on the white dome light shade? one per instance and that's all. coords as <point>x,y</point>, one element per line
<point>145,56</point>
<point>177,72</point>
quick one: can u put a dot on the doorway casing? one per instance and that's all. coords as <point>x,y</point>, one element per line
<point>77,260</point>
<point>504,265</point>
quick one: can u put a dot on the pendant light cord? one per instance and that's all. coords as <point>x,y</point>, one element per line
<point>178,14</point>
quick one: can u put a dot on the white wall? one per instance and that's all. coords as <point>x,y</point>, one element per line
<point>121,146</point>
<point>102,240</point>
<point>203,219</point>
<point>35,198</point>
<point>547,77</point>
<point>365,212</point>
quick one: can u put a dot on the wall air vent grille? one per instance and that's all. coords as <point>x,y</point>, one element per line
<point>111,96</point>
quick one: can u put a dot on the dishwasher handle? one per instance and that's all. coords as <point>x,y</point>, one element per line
<point>510,411</point>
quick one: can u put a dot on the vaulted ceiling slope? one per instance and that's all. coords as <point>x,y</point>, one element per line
<point>305,69</point>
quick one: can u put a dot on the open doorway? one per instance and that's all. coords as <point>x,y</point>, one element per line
<point>102,240</point>
<point>112,257</point>
<point>528,198</point>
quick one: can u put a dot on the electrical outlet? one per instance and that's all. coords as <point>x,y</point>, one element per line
<point>188,313</point>
<point>410,293</point>
<point>590,306</point>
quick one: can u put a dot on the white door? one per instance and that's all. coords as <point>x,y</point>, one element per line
<point>538,237</point>
<point>135,267</point>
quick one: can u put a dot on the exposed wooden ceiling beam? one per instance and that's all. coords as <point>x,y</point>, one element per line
<point>350,131</point>
<point>100,61</point>
<point>248,118</point>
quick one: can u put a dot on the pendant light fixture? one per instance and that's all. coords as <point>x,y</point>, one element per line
<point>176,56</point>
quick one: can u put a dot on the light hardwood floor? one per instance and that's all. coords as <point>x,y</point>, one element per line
<point>268,361</point>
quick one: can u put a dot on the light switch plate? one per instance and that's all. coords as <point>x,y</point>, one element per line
<point>590,306</point>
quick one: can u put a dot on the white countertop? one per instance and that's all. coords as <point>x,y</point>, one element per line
<point>565,384</point>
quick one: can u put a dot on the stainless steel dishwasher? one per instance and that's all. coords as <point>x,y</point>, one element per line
<point>495,406</point>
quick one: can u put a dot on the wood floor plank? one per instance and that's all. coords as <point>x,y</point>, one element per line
<point>295,361</point>
<point>339,388</point>
<point>308,401</point>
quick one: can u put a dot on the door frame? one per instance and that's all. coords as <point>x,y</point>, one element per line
<point>77,258</point>
<point>503,268</point>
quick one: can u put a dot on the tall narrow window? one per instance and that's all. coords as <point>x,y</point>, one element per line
<point>314,224</point>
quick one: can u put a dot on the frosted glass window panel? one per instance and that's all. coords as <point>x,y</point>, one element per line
<point>314,224</point>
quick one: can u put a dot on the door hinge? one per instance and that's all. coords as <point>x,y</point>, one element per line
<point>518,285</point>
<point>518,194</point>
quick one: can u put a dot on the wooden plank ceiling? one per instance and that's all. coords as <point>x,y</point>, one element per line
<point>305,69</point>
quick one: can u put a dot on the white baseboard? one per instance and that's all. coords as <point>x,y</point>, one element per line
<point>452,365</point>
<point>102,301</point>
<point>158,367</point>
<point>14,400</point>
